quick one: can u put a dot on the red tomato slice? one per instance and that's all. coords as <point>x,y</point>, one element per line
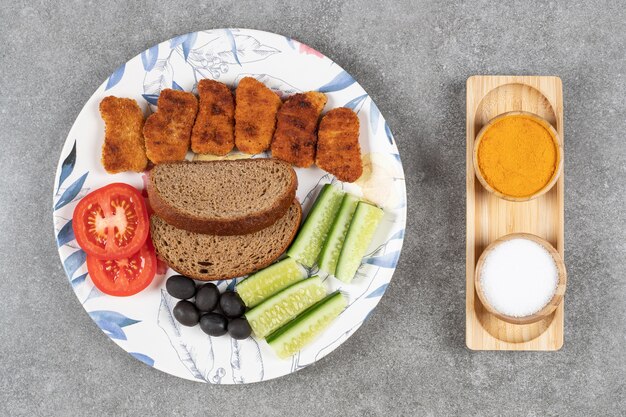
<point>126,276</point>
<point>111,222</point>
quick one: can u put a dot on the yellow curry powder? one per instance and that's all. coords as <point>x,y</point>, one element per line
<point>517,156</point>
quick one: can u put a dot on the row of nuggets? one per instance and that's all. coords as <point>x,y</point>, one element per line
<point>254,121</point>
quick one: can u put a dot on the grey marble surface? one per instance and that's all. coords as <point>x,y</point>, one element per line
<point>410,357</point>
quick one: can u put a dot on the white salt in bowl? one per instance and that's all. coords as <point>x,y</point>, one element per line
<point>520,278</point>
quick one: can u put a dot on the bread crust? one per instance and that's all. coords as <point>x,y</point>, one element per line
<point>222,227</point>
<point>182,269</point>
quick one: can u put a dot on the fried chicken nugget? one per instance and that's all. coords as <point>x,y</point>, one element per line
<point>213,131</point>
<point>255,115</point>
<point>295,138</point>
<point>168,131</point>
<point>123,148</point>
<point>338,149</point>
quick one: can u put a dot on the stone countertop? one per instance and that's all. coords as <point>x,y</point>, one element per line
<point>410,358</point>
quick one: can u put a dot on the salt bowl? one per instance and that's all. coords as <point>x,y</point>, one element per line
<point>520,278</point>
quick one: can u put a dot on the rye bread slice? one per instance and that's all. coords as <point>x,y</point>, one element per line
<point>211,257</point>
<point>226,198</point>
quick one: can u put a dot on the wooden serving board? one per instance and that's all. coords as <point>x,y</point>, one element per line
<point>489,217</point>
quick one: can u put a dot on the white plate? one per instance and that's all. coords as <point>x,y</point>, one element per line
<point>143,324</point>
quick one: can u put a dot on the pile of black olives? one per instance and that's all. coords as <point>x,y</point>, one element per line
<point>217,313</point>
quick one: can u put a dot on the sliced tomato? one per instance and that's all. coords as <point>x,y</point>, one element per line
<point>111,222</point>
<point>125,276</point>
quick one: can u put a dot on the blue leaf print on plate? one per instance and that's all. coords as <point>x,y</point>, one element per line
<point>71,192</point>
<point>111,323</point>
<point>233,45</point>
<point>144,358</point>
<point>378,292</point>
<point>66,234</point>
<point>151,98</point>
<point>246,361</point>
<point>198,361</point>
<point>74,261</point>
<point>341,81</point>
<point>78,280</point>
<point>178,40</point>
<point>374,115</point>
<point>214,58</point>
<point>113,317</point>
<point>356,102</point>
<point>186,41</point>
<point>174,42</point>
<point>231,285</point>
<point>94,293</point>
<point>247,49</point>
<point>149,57</point>
<point>111,329</point>
<point>388,133</point>
<point>67,166</point>
<point>389,260</point>
<point>290,42</point>
<point>175,86</point>
<point>115,77</point>
<point>398,235</point>
<point>158,78</point>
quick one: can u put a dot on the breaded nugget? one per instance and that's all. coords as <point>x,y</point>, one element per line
<point>123,148</point>
<point>213,131</point>
<point>168,131</point>
<point>295,138</point>
<point>338,149</point>
<point>255,115</point>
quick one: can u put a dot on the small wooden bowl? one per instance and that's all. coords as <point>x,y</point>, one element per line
<point>558,293</point>
<point>557,143</point>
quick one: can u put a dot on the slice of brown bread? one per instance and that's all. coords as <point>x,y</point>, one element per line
<point>211,257</point>
<point>226,198</point>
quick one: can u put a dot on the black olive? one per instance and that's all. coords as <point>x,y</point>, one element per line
<point>207,297</point>
<point>186,313</point>
<point>232,305</point>
<point>213,324</point>
<point>239,328</point>
<point>180,287</point>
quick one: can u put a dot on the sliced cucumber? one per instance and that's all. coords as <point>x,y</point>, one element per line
<point>293,336</point>
<point>360,234</point>
<point>332,248</point>
<point>269,281</point>
<point>308,244</point>
<point>284,306</point>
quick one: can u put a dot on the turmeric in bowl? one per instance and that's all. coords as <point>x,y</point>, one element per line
<point>518,155</point>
